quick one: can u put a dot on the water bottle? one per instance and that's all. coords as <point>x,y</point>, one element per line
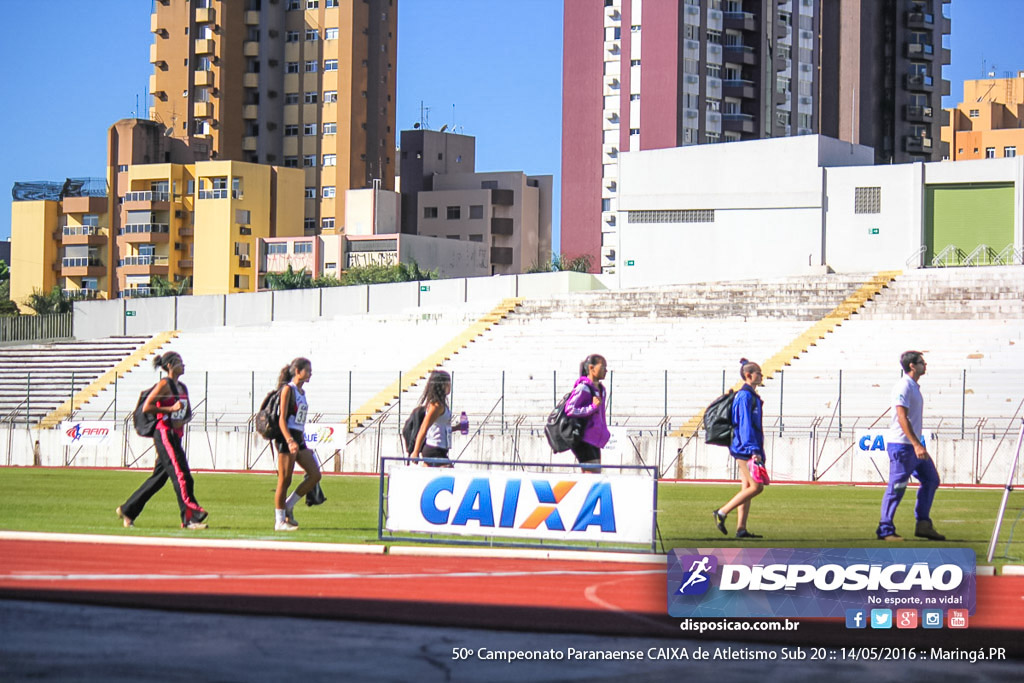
<point>464,423</point>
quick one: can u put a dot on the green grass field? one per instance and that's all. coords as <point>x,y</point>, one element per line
<point>241,507</point>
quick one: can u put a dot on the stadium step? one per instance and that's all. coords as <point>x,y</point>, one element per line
<point>383,398</point>
<point>64,411</point>
<point>810,337</point>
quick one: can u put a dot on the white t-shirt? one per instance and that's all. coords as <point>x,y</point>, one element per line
<point>439,434</point>
<point>298,420</point>
<point>906,393</point>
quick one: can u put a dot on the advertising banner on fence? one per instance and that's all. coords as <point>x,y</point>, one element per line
<point>818,582</point>
<point>86,433</point>
<point>613,509</point>
<point>329,437</point>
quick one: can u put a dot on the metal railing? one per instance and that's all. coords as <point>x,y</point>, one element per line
<point>71,230</point>
<point>134,228</point>
<point>25,328</point>
<point>147,196</point>
<point>218,194</point>
<point>145,260</point>
<point>80,262</point>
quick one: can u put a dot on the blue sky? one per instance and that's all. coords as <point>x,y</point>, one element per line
<point>498,62</point>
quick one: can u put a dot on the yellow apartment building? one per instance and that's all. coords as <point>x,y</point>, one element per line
<point>171,220</point>
<point>305,84</point>
<point>989,122</point>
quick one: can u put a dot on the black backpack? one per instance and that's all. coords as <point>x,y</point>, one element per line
<point>718,420</point>
<point>412,427</point>
<point>145,423</point>
<point>563,432</point>
<point>267,421</point>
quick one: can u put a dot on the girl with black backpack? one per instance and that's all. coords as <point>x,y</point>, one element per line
<point>587,402</point>
<point>169,402</point>
<point>434,438</point>
<point>291,447</point>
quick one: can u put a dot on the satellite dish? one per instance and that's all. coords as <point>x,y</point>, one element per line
<point>443,128</point>
<point>415,125</point>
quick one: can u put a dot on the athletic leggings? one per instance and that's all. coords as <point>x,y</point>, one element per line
<point>170,464</point>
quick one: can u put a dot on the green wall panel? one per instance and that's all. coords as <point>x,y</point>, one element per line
<point>966,216</point>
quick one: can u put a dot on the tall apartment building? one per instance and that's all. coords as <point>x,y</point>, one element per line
<point>653,74</point>
<point>989,121</point>
<point>298,83</point>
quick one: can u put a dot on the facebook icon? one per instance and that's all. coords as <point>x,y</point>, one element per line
<point>856,618</point>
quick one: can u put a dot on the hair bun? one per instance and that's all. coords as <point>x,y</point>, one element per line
<point>743,361</point>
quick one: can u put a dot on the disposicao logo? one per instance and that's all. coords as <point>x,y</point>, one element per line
<point>784,582</point>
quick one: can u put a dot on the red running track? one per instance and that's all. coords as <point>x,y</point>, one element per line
<point>524,594</point>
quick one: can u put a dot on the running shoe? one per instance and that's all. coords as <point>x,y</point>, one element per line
<point>125,519</point>
<point>193,524</point>
<point>285,526</point>
<point>743,533</point>
<point>720,522</point>
<point>289,516</point>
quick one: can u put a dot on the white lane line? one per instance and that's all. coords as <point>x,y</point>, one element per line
<point>370,549</point>
<point>56,577</point>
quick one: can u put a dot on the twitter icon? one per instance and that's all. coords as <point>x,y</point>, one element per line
<point>881,618</point>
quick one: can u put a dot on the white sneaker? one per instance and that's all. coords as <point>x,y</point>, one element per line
<point>125,519</point>
<point>285,526</point>
<point>289,516</point>
<point>194,525</point>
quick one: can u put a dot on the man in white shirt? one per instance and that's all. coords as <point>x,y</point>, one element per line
<point>908,455</point>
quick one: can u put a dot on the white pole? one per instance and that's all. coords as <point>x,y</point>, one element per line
<point>1006,495</point>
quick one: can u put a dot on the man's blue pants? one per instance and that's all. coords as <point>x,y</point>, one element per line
<point>902,464</point>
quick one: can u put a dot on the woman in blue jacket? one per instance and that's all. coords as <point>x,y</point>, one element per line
<point>747,443</point>
<point>587,402</point>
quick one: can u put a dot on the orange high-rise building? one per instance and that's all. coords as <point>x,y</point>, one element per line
<point>989,122</point>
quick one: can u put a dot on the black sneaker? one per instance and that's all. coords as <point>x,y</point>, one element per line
<point>925,529</point>
<point>743,533</point>
<point>199,516</point>
<point>719,522</point>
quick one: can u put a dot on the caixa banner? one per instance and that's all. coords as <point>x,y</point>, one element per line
<point>86,433</point>
<point>816,582</point>
<point>567,507</point>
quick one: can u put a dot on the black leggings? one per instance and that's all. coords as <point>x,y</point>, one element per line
<point>172,464</point>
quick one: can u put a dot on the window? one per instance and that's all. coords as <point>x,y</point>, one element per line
<point>633,62</point>
<point>606,205</point>
<point>291,67</point>
<point>241,282</point>
<point>91,220</point>
<point>309,129</point>
<point>311,97</point>
<point>310,193</point>
<point>714,37</point>
<point>304,247</point>
<point>330,65</point>
<point>330,96</point>
<point>309,225</point>
<point>714,70</point>
<point>330,128</point>
<point>867,200</point>
<point>312,34</point>
<point>202,64</point>
<point>430,212</point>
<point>277,248</point>
<point>330,3</point>
<point>635,97</point>
<point>476,238</point>
<point>690,66</point>
<point>291,37</point>
<point>294,4</point>
<point>990,152</point>
<point>330,34</point>
<point>328,191</point>
<point>1010,151</point>
<point>975,113</point>
<point>330,265</point>
<point>330,160</point>
<point>476,211</point>
<point>242,216</point>
<point>327,223</point>
<point>290,130</point>
<point>783,84</point>
<point>634,131</point>
<point>692,32</point>
<point>673,216</point>
<point>312,4</point>
<point>308,160</point>
<point>714,104</point>
<point>291,98</point>
<point>489,185</point>
<point>122,168</point>
<point>311,65</point>
<point>454,213</point>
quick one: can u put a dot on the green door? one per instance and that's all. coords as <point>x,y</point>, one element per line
<point>966,216</point>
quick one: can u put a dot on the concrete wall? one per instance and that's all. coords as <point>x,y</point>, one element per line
<point>345,301</point>
<point>249,309</point>
<point>95,319</point>
<point>450,258</point>
<point>156,316</point>
<point>198,312</point>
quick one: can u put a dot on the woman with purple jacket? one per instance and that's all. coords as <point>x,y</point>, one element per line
<point>587,403</point>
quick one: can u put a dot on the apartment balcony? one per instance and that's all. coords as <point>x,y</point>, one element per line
<point>153,58</point>
<point>250,111</point>
<point>143,265</point>
<point>80,294</point>
<point>251,48</point>
<point>501,226</point>
<point>145,233</point>
<point>74,235</point>
<point>154,24</point>
<point>918,83</point>
<point>185,263</point>
<point>243,261</point>
<point>153,201</point>
<point>501,256</point>
<point>186,232</point>
<point>252,18</point>
<point>917,144</point>
<point>250,80</point>
<point>738,54</point>
<point>920,20</point>
<point>739,21</point>
<point>83,205</point>
<point>916,114</point>
<point>205,46</point>
<point>738,123</point>
<point>203,78</point>
<point>82,267</point>
<point>131,292</point>
<point>223,193</point>
<point>502,197</point>
<point>202,110</point>
<point>205,15</point>
<point>922,51</point>
<point>738,88</point>
<point>249,143</point>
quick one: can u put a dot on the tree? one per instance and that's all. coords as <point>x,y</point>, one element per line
<point>290,279</point>
<point>376,274</point>
<point>48,303</point>
<point>561,262</point>
<point>159,286</point>
<point>5,271</point>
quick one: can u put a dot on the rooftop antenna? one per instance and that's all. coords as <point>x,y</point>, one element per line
<point>424,116</point>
